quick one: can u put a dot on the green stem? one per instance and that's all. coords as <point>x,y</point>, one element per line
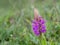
<point>42,40</point>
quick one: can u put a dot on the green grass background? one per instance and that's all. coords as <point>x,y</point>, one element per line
<point>16,18</point>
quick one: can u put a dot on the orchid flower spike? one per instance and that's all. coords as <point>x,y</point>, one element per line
<point>38,23</point>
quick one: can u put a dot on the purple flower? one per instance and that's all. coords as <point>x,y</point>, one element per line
<point>38,26</point>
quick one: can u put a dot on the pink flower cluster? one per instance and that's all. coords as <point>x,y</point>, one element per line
<point>38,26</point>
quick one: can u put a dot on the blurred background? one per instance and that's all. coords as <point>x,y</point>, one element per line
<point>16,18</point>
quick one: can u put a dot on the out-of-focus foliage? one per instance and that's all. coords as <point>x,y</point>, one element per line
<point>16,17</point>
